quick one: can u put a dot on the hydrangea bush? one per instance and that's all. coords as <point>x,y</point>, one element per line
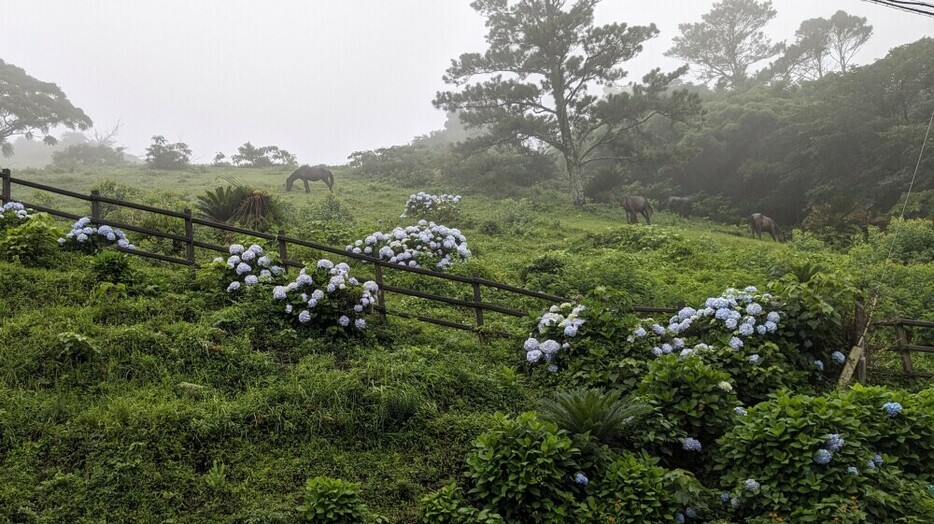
<point>13,214</point>
<point>327,296</point>
<point>248,266</point>
<point>427,245</point>
<point>432,207</point>
<point>554,331</point>
<point>85,236</point>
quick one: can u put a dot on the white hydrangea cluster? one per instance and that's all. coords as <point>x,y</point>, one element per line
<point>555,328</point>
<point>424,245</point>
<point>249,266</point>
<point>329,296</point>
<point>425,205</point>
<point>12,213</point>
<point>85,236</point>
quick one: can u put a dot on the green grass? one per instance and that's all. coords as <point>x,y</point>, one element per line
<point>193,409</point>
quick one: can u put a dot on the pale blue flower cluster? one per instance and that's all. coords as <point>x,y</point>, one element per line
<point>852,470</point>
<point>85,235</point>
<point>14,212</point>
<point>423,204</point>
<point>416,246</point>
<point>892,409</point>
<point>581,479</point>
<point>740,411</point>
<point>838,357</point>
<point>751,484</point>
<point>249,266</point>
<point>823,457</point>
<point>742,313</point>
<point>328,293</point>
<point>690,444</point>
<point>834,442</point>
<point>559,322</point>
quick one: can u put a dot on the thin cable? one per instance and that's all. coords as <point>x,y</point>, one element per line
<point>922,8</point>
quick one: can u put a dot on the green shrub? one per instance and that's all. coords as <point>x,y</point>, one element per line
<point>32,243</point>
<point>634,490</point>
<point>780,457</point>
<point>336,501</point>
<point>906,241</point>
<point>447,506</point>
<point>522,469</point>
<point>691,399</point>
<point>112,266</point>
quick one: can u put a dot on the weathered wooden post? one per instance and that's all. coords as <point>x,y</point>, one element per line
<point>95,206</point>
<point>903,342</point>
<point>189,238</point>
<point>283,249</point>
<point>6,191</point>
<point>380,294</point>
<point>478,303</point>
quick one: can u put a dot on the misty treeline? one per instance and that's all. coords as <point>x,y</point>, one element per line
<point>810,138</point>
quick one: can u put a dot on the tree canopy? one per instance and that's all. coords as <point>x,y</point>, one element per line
<point>29,106</point>
<point>728,41</point>
<point>531,86</point>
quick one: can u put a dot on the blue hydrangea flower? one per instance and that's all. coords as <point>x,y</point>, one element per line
<point>877,460</point>
<point>549,348</point>
<point>533,356</point>
<point>243,267</point>
<point>640,331</point>
<point>730,323</point>
<point>754,309</point>
<point>761,329</point>
<point>248,255</point>
<point>771,326</point>
<point>304,317</point>
<point>753,358</point>
<point>690,512</point>
<point>773,317</point>
<point>288,308</point>
<point>679,517</point>
<point>233,286</point>
<point>739,411</point>
<point>552,368</point>
<point>686,313</point>
<point>722,314</point>
<point>690,444</point>
<point>279,293</point>
<point>724,497</point>
<point>666,348</point>
<point>838,357</point>
<point>581,479</point>
<point>530,344</point>
<point>750,484</point>
<point>263,261</point>
<point>570,330</point>
<point>236,249</point>
<point>657,351</point>
<point>852,470</point>
<point>736,343</point>
<point>359,323</point>
<point>819,365</point>
<point>343,320</point>
<point>892,409</point>
<point>834,442</point>
<point>823,456</point>
<point>659,330</point>
<point>746,330</point>
<point>250,280</point>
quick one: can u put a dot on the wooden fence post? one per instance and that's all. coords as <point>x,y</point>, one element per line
<point>380,294</point>
<point>478,309</point>
<point>189,238</point>
<point>95,206</point>
<point>903,342</point>
<point>5,193</point>
<point>283,249</point>
<point>861,365</point>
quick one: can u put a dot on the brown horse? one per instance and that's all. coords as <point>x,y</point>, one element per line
<point>679,205</point>
<point>635,205</point>
<point>312,174</point>
<point>762,223</point>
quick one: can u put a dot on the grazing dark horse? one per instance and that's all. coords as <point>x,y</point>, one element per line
<point>762,223</point>
<point>310,174</point>
<point>635,205</point>
<point>679,205</point>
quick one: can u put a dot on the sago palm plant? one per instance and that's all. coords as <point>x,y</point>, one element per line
<point>605,415</point>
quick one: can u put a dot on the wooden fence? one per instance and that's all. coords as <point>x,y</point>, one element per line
<point>905,346</point>
<point>283,242</point>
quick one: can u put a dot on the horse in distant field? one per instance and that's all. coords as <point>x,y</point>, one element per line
<point>679,205</point>
<point>762,223</point>
<point>310,174</point>
<point>635,205</point>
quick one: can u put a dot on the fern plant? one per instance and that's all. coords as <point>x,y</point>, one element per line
<point>222,204</point>
<point>605,416</point>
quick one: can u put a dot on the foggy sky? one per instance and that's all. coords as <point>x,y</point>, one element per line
<point>320,78</point>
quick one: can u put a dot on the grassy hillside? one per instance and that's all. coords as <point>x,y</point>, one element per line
<point>161,399</point>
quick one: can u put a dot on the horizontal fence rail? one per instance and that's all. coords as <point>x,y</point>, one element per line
<point>282,244</point>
